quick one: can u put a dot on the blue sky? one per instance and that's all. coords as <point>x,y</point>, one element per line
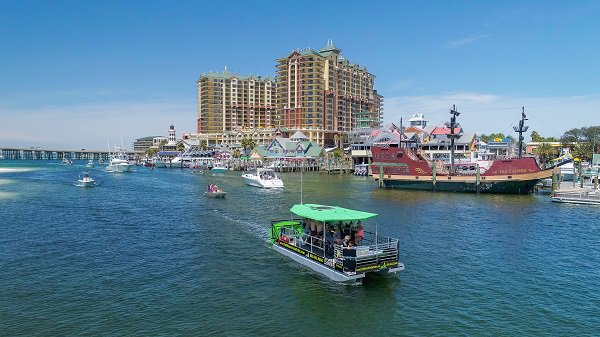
<point>76,72</point>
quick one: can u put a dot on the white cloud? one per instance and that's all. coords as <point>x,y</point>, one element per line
<point>486,113</point>
<point>465,41</point>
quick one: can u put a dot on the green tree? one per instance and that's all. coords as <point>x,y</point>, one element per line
<point>248,143</point>
<point>151,152</point>
<point>535,137</point>
<point>180,147</point>
<point>236,153</point>
<point>491,137</point>
<point>545,152</point>
<point>582,151</point>
<point>203,145</point>
<point>338,153</point>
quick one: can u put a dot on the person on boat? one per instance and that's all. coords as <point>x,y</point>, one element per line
<point>360,233</point>
<point>306,226</point>
<point>216,188</point>
<point>210,188</point>
<point>346,241</point>
<point>337,235</point>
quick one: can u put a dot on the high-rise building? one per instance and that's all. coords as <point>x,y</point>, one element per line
<point>229,102</point>
<point>324,95</point>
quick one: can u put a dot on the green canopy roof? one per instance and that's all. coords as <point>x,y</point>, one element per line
<point>329,213</point>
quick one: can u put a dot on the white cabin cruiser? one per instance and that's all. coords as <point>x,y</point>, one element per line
<point>263,178</point>
<point>119,161</point>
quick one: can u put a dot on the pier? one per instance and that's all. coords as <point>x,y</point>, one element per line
<point>37,153</point>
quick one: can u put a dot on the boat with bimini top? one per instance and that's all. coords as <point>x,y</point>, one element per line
<point>331,240</point>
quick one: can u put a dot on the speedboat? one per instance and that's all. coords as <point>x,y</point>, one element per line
<point>86,180</point>
<point>263,178</point>
<point>361,253</point>
<point>90,163</point>
<point>119,161</point>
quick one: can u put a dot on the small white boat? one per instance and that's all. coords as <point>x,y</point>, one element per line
<point>90,163</point>
<point>263,178</point>
<point>219,169</point>
<point>119,162</point>
<point>86,180</point>
<point>67,161</point>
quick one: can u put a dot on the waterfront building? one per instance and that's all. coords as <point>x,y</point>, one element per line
<point>141,145</point>
<point>322,94</point>
<point>297,146</point>
<point>230,102</point>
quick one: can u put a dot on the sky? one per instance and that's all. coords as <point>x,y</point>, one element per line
<point>82,74</point>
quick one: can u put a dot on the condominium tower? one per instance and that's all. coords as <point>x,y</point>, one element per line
<point>324,95</point>
<point>228,102</point>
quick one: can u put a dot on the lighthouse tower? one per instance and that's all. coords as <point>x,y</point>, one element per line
<point>172,135</point>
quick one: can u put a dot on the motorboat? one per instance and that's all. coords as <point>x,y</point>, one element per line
<point>86,180</point>
<point>263,178</point>
<point>119,162</point>
<point>67,161</point>
<point>90,163</point>
<point>219,168</point>
<point>359,254</point>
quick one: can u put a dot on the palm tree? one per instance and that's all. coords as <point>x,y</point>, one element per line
<point>248,143</point>
<point>545,151</point>
<point>583,151</point>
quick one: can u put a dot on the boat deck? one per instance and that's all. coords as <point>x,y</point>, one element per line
<point>580,196</point>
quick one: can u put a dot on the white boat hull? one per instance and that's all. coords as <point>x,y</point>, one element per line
<point>253,180</point>
<point>120,168</point>
<point>319,267</point>
<point>218,169</point>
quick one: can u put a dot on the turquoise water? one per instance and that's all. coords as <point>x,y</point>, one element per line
<point>147,254</point>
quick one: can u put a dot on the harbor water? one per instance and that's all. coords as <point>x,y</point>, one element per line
<point>147,254</point>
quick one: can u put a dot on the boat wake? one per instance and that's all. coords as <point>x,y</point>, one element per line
<point>258,230</point>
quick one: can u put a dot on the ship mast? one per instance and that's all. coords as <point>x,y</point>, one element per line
<point>520,129</point>
<point>452,136</point>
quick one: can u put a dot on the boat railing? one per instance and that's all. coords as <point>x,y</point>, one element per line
<point>313,244</point>
<point>578,195</point>
<point>374,250</point>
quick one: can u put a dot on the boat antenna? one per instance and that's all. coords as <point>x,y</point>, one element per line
<point>301,170</point>
<point>520,129</point>
<point>452,136</point>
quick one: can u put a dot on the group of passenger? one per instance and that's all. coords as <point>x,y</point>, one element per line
<point>213,188</point>
<point>346,235</point>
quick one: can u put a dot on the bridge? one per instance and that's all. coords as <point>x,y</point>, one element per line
<point>57,154</point>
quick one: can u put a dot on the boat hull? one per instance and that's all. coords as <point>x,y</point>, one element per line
<point>120,168</point>
<point>499,187</point>
<point>318,266</point>
<point>218,195</point>
<point>253,181</point>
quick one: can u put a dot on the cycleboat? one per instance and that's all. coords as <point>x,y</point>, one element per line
<point>302,240</point>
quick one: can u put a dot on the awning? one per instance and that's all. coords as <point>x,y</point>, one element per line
<point>329,213</point>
